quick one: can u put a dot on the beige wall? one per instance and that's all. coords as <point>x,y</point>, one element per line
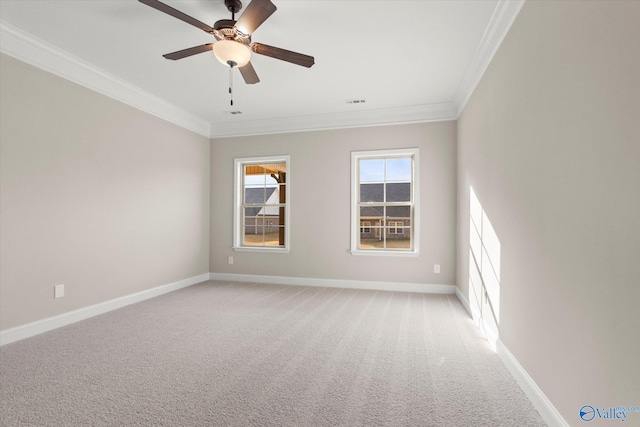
<point>320,204</point>
<point>550,142</point>
<point>110,201</point>
<point>95,195</point>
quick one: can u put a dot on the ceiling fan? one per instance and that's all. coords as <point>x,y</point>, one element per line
<point>233,44</point>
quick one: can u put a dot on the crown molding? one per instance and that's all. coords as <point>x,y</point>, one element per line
<point>36,52</point>
<point>349,119</point>
<point>503,16</point>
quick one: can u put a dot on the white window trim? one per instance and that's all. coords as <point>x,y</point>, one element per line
<point>238,186</point>
<point>355,196</point>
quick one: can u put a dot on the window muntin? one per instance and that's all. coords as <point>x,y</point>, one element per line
<point>384,197</point>
<point>261,219</point>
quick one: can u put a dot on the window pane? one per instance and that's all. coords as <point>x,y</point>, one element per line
<point>262,227</point>
<point>373,214</point>
<point>253,222</point>
<point>270,181</point>
<point>371,170</point>
<point>371,193</point>
<point>253,240</point>
<point>373,239</point>
<point>253,195</point>
<point>254,175</point>
<point>398,169</point>
<point>398,213</point>
<point>274,236</point>
<point>398,191</point>
<point>261,180</point>
<point>398,241</point>
<point>272,220</point>
<point>272,195</point>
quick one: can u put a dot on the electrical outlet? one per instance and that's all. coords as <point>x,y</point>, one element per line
<point>436,268</point>
<point>230,260</point>
<point>58,291</point>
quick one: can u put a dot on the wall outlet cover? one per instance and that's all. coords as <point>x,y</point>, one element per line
<point>58,291</point>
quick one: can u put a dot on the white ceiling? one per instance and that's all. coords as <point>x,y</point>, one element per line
<point>414,60</point>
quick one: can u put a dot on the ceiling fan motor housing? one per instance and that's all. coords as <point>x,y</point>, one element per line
<point>233,6</point>
<point>224,29</point>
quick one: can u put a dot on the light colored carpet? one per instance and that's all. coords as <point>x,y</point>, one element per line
<point>235,354</point>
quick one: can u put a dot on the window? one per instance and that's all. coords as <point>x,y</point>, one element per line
<point>384,202</point>
<point>396,227</point>
<point>261,209</point>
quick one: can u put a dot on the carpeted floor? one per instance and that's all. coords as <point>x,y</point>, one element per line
<point>235,354</point>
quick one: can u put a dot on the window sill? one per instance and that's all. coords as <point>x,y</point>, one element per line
<point>261,249</point>
<point>409,254</point>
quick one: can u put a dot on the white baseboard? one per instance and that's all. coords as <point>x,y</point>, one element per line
<point>543,405</point>
<point>34,328</point>
<point>464,301</point>
<point>335,283</point>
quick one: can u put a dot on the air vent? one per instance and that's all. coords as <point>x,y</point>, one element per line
<point>232,113</point>
<point>356,101</point>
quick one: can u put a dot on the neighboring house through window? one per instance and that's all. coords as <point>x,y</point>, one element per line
<point>384,205</point>
<point>261,208</point>
<point>396,227</point>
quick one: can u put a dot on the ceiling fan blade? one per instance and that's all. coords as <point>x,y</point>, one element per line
<point>249,74</point>
<point>254,15</point>
<point>177,14</point>
<point>283,54</point>
<point>189,52</point>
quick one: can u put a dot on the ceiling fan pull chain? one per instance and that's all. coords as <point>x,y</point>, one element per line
<point>231,84</point>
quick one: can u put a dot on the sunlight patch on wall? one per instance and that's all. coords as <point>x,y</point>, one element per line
<point>484,270</point>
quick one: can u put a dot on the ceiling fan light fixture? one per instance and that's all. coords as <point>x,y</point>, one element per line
<point>232,53</point>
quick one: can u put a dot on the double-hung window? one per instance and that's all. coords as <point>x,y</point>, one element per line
<point>261,208</point>
<point>384,202</point>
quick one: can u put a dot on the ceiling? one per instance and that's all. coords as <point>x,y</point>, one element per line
<point>409,61</point>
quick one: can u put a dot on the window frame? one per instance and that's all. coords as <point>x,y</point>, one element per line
<point>414,227</point>
<point>238,210</point>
